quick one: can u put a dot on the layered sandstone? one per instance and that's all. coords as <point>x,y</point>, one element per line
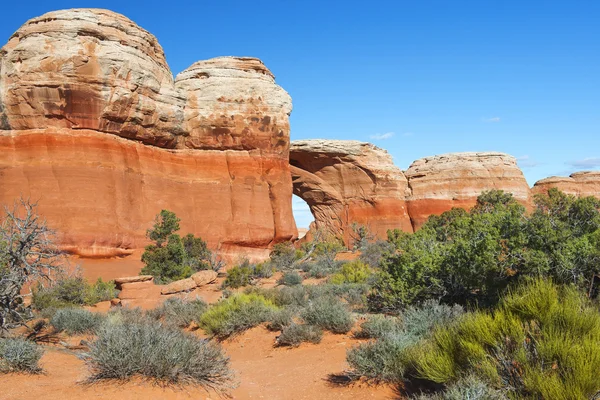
<point>94,127</point>
<point>442,182</point>
<point>347,182</point>
<point>584,183</point>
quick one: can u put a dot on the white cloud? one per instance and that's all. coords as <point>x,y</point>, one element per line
<point>586,163</point>
<point>492,119</point>
<point>382,136</point>
<point>526,162</point>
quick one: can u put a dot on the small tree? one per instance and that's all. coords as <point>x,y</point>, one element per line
<point>173,257</point>
<point>360,235</point>
<point>27,253</point>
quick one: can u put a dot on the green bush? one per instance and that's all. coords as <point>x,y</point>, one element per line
<point>284,256</point>
<point>374,253</point>
<point>352,272</point>
<point>123,350</point>
<point>328,313</point>
<point>470,387</point>
<point>72,291</point>
<point>19,355</point>
<point>245,273</point>
<point>385,359</point>
<point>235,314</point>
<point>173,257</point>
<point>76,321</point>
<point>472,257</point>
<point>290,278</point>
<point>543,341</point>
<point>179,312</point>
<point>294,334</point>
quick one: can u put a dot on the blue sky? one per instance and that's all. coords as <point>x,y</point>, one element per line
<point>415,77</point>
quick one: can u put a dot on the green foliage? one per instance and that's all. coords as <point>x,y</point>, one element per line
<point>281,318</point>
<point>360,236</point>
<point>284,256</point>
<point>69,291</point>
<point>290,278</point>
<point>245,273</point>
<point>19,355</point>
<point>235,314</point>
<point>351,272</point>
<point>76,321</point>
<point>329,313</point>
<point>373,253</point>
<point>385,359</point>
<point>165,224</point>
<point>179,312</point>
<point>123,350</point>
<point>294,334</point>
<point>180,258</point>
<point>472,257</point>
<point>377,326</point>
<point>470,388</point>
<point>542,341</point>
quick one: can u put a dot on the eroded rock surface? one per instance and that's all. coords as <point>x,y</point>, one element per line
<point>441,182</point>
<point>347,181</point>
<point>93,125</point>
<point>584,183</point>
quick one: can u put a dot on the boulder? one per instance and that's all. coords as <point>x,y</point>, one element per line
<point>139,290</point>
<point>442,182</point>
<point>584,183</point>
<point>345,182</point>
<point>205,277</point>
<point>132,279</point>
<point>182,285</point>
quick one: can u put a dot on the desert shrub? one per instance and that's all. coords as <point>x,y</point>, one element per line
<point>355,295</point>
<point>373,253</point>
<point>385,359</point>
<point>179,312</point>
<point>130,316</point>
<point>173,257</point>
<point>316,269</point>
<point>281,318</point>
<point>123,350</point>
<point>328,313</point>
<point>235,314</point>
<point>294,334</point>
<point>284,256</point>
<point>297,296</point>
<point>352,272</point>
<point>470,388</point>
<point>360,236</point>
<point>290,278</point>
<point>19,355</point>
<point>69,291</point>
<point>382,359</point>
<point>245,273</point>
<point>76,320</point>
<point>471,257</point>
<point>542,341</point>
<point>377,326</point>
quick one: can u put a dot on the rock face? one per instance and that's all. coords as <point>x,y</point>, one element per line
<point>584,183</point>
<point>93,125</point>
<point>456,180</point>
<point>349,181</point>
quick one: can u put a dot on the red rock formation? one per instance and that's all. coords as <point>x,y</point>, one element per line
<point>456,180</point>
<point>348,181</point>
<point>584,183</point>
<point>93,126</point>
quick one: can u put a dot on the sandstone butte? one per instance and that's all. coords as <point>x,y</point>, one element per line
<point>94,127</point>
<point>346,182</point>
<point>456,180</point>
<point>584,183</point>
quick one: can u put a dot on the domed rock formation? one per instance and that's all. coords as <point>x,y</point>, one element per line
<point>584,183</point>
<point>94,127</point>
<point>345,181</point>
<point>441,182</point>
